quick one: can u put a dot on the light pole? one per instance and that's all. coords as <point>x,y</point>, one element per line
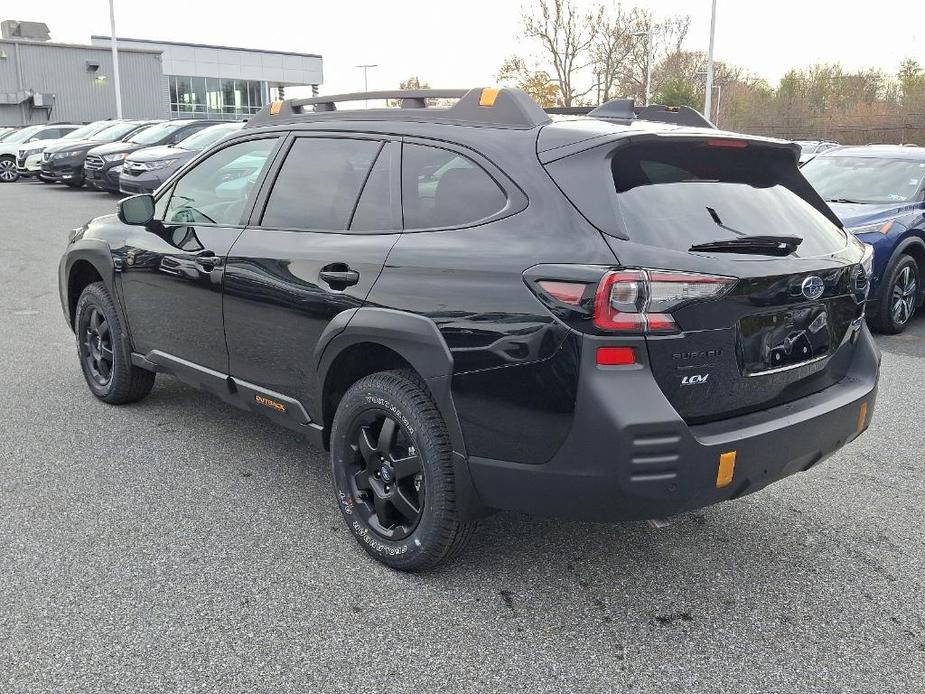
<point>115,59</point>
<point>708,99</point>
<point>365,69</point>
<point>648,34</point>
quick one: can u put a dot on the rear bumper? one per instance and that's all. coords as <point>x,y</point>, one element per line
<point>630,456</point>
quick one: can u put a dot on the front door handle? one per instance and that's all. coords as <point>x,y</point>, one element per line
<point>340,277</point>
<point>207,260</point>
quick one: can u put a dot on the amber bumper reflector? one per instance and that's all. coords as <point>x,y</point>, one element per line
<point>862,417</point>
<point>727,466</point>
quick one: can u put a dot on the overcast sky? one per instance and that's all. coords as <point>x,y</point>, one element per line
<point>461,43</point>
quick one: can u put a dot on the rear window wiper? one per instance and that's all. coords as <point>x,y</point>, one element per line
<point>765,245</point>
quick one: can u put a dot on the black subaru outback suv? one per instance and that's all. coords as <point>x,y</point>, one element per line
<point>621,315</point>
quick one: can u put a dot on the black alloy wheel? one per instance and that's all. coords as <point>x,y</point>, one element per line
<point>394,474</point>
<point>387,477</point>
<point>96,347</point>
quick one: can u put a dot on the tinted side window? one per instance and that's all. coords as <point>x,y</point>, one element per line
<point>318,184</point>
<point>441,188</point>
<point>216,190</point>
<point>374,211</point>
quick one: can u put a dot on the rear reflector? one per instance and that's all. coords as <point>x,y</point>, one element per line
<point>616,356</point>
<point>726,470</point>
<point>862,418</point>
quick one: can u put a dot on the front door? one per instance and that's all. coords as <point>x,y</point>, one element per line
<point>172,272</point>
<point>315,250</point>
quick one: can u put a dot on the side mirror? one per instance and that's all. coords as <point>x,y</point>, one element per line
<point>137,210</point>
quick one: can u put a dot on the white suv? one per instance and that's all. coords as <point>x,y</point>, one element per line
<point>9,146</point>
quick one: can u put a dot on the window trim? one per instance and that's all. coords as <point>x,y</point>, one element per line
<point>385,141</point>
<point>168,187</point>
<point>515,199</point>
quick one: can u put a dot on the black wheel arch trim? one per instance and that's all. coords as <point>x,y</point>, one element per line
<point>99,255</point>
<point>418,341</point>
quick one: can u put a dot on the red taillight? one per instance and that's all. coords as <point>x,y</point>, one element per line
<point>566,292</point>
<point>639,301</point>
<point>616,356</point>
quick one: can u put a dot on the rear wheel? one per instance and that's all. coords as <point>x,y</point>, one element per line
<point>104,350</point>
<point>899,296</point>
<point>8,173</point>
<point>393,473</point>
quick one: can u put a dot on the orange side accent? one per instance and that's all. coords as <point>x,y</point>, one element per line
<point>862,417</point>
<point>275,107</point>
<point>489,94</point>
<point>727,466</point>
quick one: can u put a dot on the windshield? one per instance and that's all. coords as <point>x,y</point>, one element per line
<point>674,195</point>
<point>23,135</point>
<point>808,147</point>
<point>156,133</point>
<point>208,136</point>
<point>865,179</point>
<point>114,132</point>
<point>87,130</point>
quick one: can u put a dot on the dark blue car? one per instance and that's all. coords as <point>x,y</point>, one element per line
<point>878,192</point>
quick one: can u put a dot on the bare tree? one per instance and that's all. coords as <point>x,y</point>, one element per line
<point>611,47</point>
<point>537,83</point>
<point>565,35</point>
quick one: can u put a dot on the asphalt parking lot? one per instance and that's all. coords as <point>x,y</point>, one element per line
<point>180,545</point>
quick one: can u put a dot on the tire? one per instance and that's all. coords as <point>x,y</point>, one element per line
<point>899,296</point>
<point>404,515</point>
<point>104,351</point>
<point>8,172</point>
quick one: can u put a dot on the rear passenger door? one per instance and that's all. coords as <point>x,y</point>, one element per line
<point>317,241</point>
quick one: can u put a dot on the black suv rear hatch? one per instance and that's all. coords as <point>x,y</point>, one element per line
<point>735,208</point>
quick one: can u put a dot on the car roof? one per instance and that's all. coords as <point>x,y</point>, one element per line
<point>877,151</point>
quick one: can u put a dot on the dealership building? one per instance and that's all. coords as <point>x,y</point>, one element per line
<point>43,81</point>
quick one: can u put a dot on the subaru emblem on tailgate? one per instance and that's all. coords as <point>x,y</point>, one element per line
<point>813,287</point>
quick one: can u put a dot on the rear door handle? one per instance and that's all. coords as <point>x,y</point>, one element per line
<point>340,278</point>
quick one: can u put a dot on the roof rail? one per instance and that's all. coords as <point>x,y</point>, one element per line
<point>506,108</point>
<point>625,109</point>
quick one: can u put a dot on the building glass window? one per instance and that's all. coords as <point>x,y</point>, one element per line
<point>212,97</point>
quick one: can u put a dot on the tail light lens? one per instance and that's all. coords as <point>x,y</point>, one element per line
<point>640,301</point>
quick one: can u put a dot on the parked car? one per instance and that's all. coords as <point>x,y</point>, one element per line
<point>10,145</point>
<point>878,192</point>
<point>144,170</point>
<point>29,156</point>
<point>7,130</point>
<point>604,317</point>
<point>810,148</point>
<point>64,162</point>
<point>104,164</point>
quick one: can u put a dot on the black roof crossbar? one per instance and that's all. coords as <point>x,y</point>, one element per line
<point>504,108</point>
<point>626,110</point>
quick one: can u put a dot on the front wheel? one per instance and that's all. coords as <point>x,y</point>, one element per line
<point>899,296</point>
<point>8,172</point>
<point>393,473</point>
<point>104,350</point>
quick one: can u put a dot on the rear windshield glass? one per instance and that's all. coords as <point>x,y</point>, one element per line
<point>676,194</point>
<point>865,179</point>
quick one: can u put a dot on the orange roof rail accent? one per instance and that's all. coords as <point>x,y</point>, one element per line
<point>489,94</point>
<point>275,107</point>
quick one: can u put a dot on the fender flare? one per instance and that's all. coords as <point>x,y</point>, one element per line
<point>99,255</point>
<point>416,339</point>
